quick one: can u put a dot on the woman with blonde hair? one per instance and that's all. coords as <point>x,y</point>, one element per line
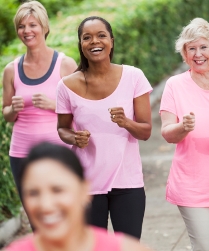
<point>184,109</point>
<point>29,84</point>
<point>57,206</point>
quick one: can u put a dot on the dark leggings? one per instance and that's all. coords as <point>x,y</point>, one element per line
<point>15,164</point>
<point>126,207</point>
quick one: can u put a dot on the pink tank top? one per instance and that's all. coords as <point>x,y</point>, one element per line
<point>34,125</point>
<point>104,241</point>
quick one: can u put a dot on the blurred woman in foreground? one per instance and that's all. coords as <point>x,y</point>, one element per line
<point>57,203</point>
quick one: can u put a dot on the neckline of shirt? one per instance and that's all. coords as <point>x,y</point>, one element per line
<point>194,83</point>
<point>99,100</point>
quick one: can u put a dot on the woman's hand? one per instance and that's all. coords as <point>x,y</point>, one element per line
<point>17,104</point>
<point>43,102</point>
<point>189,122</point>
<point>82,138</point>
<point>174,131</point>
<point>118,116</point>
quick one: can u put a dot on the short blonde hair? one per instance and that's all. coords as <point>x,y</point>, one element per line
<point>196,29</point>
<point>37,10</point>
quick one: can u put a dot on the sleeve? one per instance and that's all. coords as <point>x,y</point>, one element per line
<point>63,105</point>
<point>142,84</point>
<point>167,101</point>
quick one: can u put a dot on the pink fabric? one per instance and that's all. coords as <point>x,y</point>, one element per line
<point>188,182</point>
<point>112,158</point>
<point>34,125</point>
<point>103,241</point>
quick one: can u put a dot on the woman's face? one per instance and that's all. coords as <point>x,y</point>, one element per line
<point>96,42</point>
<point>54,197</point>
<point>197,55</point>
<point>30,32</point>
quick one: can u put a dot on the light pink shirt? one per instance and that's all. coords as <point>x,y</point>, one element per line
<point>103,241</point>
<point>112,158</point>
<point>188,182</point>
<point>34,125</point>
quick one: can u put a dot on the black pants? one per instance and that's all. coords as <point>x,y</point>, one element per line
<point>126,207</point>
<point>15,164</point>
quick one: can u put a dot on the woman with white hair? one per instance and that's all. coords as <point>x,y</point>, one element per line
<point>29,84</point>
<point>184,109</point>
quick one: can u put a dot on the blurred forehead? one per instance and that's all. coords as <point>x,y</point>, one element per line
<point>48,171</point>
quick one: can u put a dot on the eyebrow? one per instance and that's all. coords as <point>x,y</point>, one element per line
<point>97,32</point>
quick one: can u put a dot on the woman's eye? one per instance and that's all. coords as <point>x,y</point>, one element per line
<point>191,49</point>
<point>203,47</point>
<point>102,35</point>
<point>32,193</point>
<point>20,27</point>
<point>86,38</point>
<point>57,189</point>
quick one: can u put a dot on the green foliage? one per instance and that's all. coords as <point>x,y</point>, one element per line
<point>54,6</point>
<point>9,201</point>
<point>145,34</point>
<point>7,11</point>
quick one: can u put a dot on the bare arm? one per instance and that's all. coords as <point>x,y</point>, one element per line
<point>141,128</point>
<point>11,104</point>
<point>174,131</point>
<point>64,127</point>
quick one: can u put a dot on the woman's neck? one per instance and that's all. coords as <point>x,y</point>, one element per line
<point>201,79</point>
<point>38,53</point>
<point>80,239</point>
<point>99,68</point>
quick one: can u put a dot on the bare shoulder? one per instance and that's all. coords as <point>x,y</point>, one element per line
<point>9,68</point>
<point>8,75</point>
<point>75,82</point>
<point>129,243</point>
<point>68,66</point>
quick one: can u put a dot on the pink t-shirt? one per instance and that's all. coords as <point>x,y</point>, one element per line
<point>111,159</point>
<point>104,241</point>
<point>34,125</point>
<point>188,181</point>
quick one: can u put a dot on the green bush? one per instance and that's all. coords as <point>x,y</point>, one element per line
<point>7,11</point>
<point>145,34</point>
<point>9,200</point>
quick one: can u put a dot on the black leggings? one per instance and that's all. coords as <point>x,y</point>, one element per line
<point>126,207</point>
<point>15,164</point>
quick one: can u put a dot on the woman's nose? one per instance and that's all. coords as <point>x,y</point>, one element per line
<point>198,52</point>
<point>95,40</point>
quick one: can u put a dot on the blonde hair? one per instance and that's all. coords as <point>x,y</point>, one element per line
<point>37,10</point>
<point>196,29</point>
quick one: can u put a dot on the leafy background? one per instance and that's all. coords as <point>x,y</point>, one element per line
<point>145,34</point>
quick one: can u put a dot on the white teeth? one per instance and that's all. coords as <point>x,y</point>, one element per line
<point>51,219</point>
<point>200,61</point>
<point>96,49</point>
<point>29,37</point>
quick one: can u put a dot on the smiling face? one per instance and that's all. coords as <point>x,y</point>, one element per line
<point>197,55</point>
<point>54,198</point>
<point>96,42</point>
<point>30,32</point>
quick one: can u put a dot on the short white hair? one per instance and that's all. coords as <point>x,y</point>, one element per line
<point>196,29</point>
